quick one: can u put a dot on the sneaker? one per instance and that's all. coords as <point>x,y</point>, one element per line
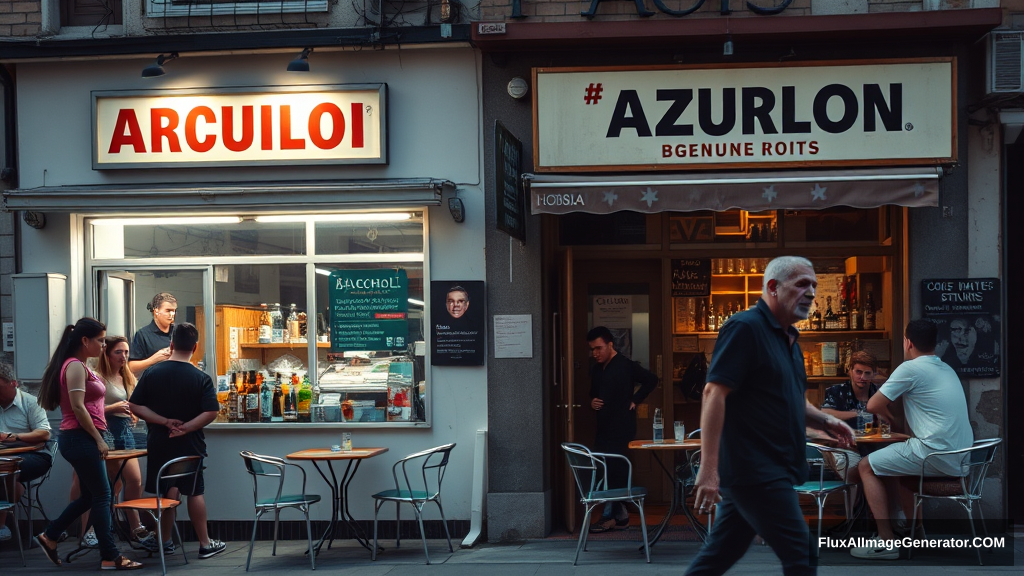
<point>876,553</point>
<point>602,525</point>
<point>149,543</point>
<point>215,547</point>
<point>5,533</point>
<point>90,540</point>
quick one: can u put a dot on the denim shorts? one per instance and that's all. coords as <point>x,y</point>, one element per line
<point>119,434</point>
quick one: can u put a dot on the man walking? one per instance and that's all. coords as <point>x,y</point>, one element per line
<point>177,400</point>
<point>753,422</point>
<point>614,395</point>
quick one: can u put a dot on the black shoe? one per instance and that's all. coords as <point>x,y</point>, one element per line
<point>602,525</point>
<point>622,524</point>
<point>215,547</point>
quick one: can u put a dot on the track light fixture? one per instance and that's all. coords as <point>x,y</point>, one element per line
<point>301,63</point>
<point>157,69</point>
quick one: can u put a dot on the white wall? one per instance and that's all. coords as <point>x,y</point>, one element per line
<point>434,132</point>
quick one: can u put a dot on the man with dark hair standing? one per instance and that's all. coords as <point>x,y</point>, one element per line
<point>177,400</point>
<point>753,420</point>
<point>936,411</point>
<point>614,394</point>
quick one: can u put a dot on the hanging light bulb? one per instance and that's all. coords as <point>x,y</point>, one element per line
<point>727,47</point>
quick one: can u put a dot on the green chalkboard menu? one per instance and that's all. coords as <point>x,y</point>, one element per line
<point>369,310</point>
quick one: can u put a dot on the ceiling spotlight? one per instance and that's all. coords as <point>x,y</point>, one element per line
<point>301,63</point>
<point>157,69</point>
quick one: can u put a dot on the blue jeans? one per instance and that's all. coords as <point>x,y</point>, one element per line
<point>79,449</point>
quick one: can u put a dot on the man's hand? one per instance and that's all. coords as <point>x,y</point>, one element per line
<point>596,403</point>
<point>707,490</point>
<point>839,430</point>
<point>161,355</point>
<point>179,430</point>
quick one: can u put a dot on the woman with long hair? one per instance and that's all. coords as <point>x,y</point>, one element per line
<point>79,392</point>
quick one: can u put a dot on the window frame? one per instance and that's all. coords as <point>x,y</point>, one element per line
<point>170,9</point>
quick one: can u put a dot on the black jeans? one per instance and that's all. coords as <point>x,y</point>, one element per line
<point>771,510</point>
<point>618,473</point>
<point>79,449</point>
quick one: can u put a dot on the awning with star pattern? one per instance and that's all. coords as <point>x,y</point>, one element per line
<point>755,192</point>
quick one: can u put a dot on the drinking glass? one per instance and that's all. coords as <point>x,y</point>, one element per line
<point>346,441</point>
<point>886,429</point>
<point>680,430</point>
<point>869,427</point>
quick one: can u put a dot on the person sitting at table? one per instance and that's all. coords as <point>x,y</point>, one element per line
<point>178,400</point>
<point>846,400</point>
<point>936,412</point>
<point>22,423</point>
<point>79,392</point>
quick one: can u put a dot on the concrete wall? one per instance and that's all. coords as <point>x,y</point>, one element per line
<point>434,131</point>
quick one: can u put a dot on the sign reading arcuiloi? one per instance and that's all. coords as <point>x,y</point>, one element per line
<point>967,313</point>
<point>885,112</point>
<point>369,310</point>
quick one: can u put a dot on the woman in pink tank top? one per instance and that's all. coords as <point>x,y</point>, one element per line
<point>79,392</point>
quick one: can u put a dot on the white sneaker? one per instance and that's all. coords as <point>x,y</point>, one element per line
<point>876,553</point>
<point>90,539</point>
<point>5,533</point>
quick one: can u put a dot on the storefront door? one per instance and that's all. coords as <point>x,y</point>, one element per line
<point>626,297</point>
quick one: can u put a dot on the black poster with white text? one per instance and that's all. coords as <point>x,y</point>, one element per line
<point>457,315</point>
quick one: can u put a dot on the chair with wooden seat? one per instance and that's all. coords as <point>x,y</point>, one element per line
<point>177,469</point>
<point>964,490</point>
<point>8,478</point>
<point>260,466</point>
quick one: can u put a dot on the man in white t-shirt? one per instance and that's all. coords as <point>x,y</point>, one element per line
<point>936,413</point>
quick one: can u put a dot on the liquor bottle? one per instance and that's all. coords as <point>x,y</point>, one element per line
<point>728,311</point>
<point>252,400</point>
<point>276,324</point>
<point>869,310</point>
<point>305,399</point>
<point>719,319</point>
<point>291,401</point>
<point>855,319</point>
<point>711,326</point>
<point>816,322</point>
<point>831,320</point>
<point>266,331</point>
<point>844,314</point>
<point>266,398</point>
<point>232,400</point>
<point>700,317</point>
<point>293,325</point>
<point>277,402</point>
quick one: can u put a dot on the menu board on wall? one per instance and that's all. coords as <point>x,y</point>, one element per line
<point>691,277</point>
<point>369,310</point>
<point>457,315</point>
<point>510,202</point>
<point>967,313</point>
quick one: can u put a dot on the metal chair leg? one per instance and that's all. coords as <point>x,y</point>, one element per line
<point>913,523</point>
<point>252,540</point>
<point>376,511</point>
<point>181,541</point>
<point>583,534</point>
<point>277,520</point>
<point>423,533</point>
<point>398,522</point>
<point>974,533</point>
<point>444,523</point>
<point>643,529</point>
<point>309,538</point>
<point>160,541</point>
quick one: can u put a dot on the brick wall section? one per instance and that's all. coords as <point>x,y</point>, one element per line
<point>20,18</point>
<point>608,10</point>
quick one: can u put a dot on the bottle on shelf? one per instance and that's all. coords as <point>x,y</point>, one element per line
<point>277,402</point>
<point>691,321</point>
<point>293,325</point>
<point>243,398</point>
<point>700,320</point>
<point>816,322</point>
<point>711,326</point>
<point>252,398</point>
<point>844,313</point>
<point>291,401</point>
<point>856,323</point>
<point>719,319</point>
<point>277,324</point>
<point>305,399</point>
<point>232,400</point>
<point>869,310</point>
<point>831,320</point>
<point>266,330</point>
<point>659,427</point>
<point>266,399</point>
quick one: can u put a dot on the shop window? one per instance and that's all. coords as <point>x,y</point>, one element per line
<point>371,237</point>
<point>148,238</point>
<point>90,12</point>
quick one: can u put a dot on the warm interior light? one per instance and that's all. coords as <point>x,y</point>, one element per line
<point>351,217</point>
<point>415,302</point>
<point>165,221</point>
<point>323,271</point>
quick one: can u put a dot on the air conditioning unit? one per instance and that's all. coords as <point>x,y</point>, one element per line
<point>1004,63</point>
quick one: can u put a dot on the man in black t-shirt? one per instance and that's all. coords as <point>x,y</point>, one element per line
<point>752,427</point>
<point>177,400</point>
<point>151,344</point>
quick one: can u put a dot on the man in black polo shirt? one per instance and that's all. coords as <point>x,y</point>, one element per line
<point>151,344</point>
<point>614,395</point>
<point>752,427</point>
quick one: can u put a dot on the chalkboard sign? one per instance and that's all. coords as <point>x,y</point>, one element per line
<point>967,314</point>
<point>510,201</point>
<point>369,310</point>
<point>691,277</point>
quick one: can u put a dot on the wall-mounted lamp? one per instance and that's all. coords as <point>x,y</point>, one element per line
<point>36,220</point>
<point>301,63</point>
<point>517,87</point>
<point>457,209</point>
<point>157,69</point>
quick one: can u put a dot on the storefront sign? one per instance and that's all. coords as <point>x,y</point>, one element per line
<point>369,310</point>
<point>869,113</point>
<point>691,277</point>
<point>326,124</point>
<point>510,201</point>
<point>967,312</point>
<point>457,315</point>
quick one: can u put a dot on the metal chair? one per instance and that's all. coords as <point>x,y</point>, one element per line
<point>31,498</point>
<point>594,491</point>
<point>9,475</point>
<point>965,490</point>
<point>270,467</point>
<point>821,488</point>
<point>434,461</point>
<point>176,469</point>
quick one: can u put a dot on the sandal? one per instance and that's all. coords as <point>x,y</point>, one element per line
<point>120,563</point>
<point>48,547</point>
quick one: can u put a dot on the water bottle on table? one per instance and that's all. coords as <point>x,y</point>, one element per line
<point>659,427</point>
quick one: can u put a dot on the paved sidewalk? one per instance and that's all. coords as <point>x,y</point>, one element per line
<point>533,558</point>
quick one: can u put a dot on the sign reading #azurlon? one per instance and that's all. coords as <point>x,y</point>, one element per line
<point>887,112</point>
<point>369,310</point>
<point>253,126</point>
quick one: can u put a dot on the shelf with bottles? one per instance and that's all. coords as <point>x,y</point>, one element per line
<point>298,345</point>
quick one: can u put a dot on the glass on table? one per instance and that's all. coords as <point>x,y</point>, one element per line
<point>885,428</point>
<point>679,427</point>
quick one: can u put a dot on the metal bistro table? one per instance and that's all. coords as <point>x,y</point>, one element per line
<point>339,491</point>
<point>678,484</point>
<point>122,456</point>
<point>15,450</point>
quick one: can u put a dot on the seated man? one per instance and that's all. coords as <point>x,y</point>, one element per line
<point>845,401</point>
<point>936,412</point>
<point>177,400</point>
<point>22,422</point>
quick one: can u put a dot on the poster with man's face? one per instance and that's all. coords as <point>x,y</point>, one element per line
<point>457,318</point>
<point>966,313</point>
